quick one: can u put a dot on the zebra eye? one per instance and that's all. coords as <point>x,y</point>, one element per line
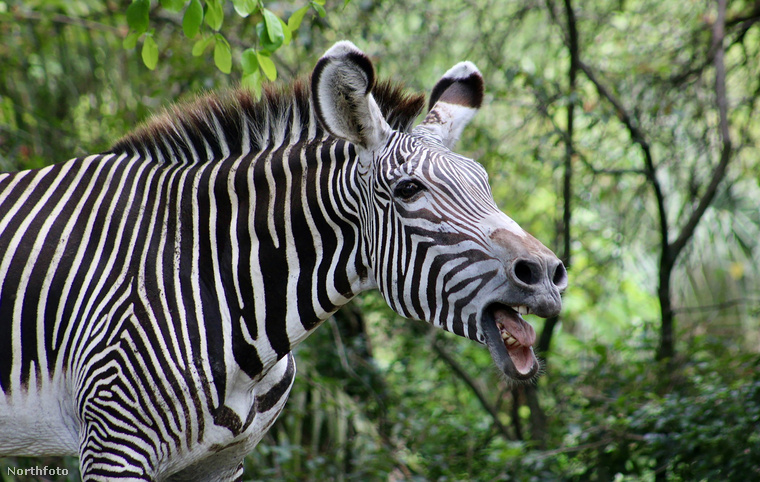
<point>406,190</point>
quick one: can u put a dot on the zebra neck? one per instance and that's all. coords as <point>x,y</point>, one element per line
<point>283,248</point>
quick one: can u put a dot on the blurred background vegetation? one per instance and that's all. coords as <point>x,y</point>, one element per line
<point>623,134</point>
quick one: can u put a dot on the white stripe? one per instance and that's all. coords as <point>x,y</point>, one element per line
<point>224,308</point>
<point>195,282</point>
<point>15,378</point>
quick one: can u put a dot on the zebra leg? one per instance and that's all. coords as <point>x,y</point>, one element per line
<point>132,421</point>
<point>223,468</point>
<point>100,464</point>
<point>238,476</point>
<point>118,439</point>
<point>224,461</point>
<point>107,453</point>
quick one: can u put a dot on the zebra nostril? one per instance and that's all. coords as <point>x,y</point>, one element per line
<point>560,276</point>
<point>524,271</point>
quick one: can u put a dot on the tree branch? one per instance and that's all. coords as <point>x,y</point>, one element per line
<point>19,14</point>
<point>638,137</point>
<point>470,382</point>
<point>726,150</point>
<point>572,74</point>
<point>667,258</point>
<point>718,306</point>
<point>571,39</point>
<point>751,17</point>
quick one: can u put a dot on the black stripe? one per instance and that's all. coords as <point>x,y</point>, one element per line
<point>265,402</point>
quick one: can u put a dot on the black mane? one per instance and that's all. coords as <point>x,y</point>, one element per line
<point>162,135</point>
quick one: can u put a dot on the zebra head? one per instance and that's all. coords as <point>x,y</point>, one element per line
<point>436,245</point>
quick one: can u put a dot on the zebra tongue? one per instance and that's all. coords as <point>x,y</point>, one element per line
<point>518,336</point>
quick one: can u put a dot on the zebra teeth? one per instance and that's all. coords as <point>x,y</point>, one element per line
<point>521,309</point>
<point>507,337</point>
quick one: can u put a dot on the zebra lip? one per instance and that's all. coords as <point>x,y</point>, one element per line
<point>513,329</point>
<point>517,337</point>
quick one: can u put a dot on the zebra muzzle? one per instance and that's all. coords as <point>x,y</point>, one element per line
<point>517,335</point>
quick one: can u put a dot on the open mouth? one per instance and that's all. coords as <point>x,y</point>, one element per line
<point>505,327</point>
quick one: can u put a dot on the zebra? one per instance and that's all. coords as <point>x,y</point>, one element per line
<point>151,296</point>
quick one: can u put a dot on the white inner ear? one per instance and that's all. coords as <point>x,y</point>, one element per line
<point>447,121</point>
<point>457,96</point>
<point>336,91</point>
<point>346,111</point>
<point>376,130</point>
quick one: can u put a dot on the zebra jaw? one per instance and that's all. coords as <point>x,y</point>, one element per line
<point>510,340</point>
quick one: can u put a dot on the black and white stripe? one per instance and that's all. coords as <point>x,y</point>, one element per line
<point>150,296</point>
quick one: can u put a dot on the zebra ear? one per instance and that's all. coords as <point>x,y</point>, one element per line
<point>454,101</point>
<point>341,86</point>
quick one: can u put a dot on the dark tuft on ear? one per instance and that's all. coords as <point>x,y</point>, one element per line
<point>366,65</point>
<point>455,99</point>
<point>316,74</point>
<point>466,91</point>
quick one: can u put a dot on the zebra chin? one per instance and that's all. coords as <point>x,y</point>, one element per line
<point>510,340</point>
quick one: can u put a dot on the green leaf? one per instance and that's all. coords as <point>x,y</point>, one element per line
<point>244,7</point>
<point>249,61</point>
<point>222,54</point>
<point>274,27</point>
<point>201,45</point>
<point>150,52</point>
<point>319,2</point>
<point>319,8</point>
<point>345,3</point>
<point>173,5</point>
<point>267,66</point>
<point>130,41</point>
<point>286,31</point>
<point>264,42</point>
<point>138,16</point>
<point>253,81</point>
<point>191,22</point>
<point>297,17</point>
<point>214,14</point>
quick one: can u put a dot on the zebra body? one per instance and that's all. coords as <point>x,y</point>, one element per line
<point>150,296</point>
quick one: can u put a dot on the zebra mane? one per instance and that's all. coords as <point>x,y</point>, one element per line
<point>280,110</point>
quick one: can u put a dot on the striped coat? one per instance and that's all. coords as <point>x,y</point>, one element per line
<point>150,296</point>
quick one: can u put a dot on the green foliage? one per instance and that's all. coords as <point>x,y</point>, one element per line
<point>244,7</point>
<point>192,19</point>
<point>214,14</point>
<point>712,434</point>
<point>150,52</point>
<point>272,32</point>
<point>373,400</point>
<point>267,66</point>
<point>222,54</point>
<point>273,29</point>
<point>173,5</point>
<point>297,17</point>
<point>704,427</point>
<point>138,16</point>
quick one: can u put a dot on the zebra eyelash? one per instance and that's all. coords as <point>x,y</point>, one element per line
<point>408,189</point>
